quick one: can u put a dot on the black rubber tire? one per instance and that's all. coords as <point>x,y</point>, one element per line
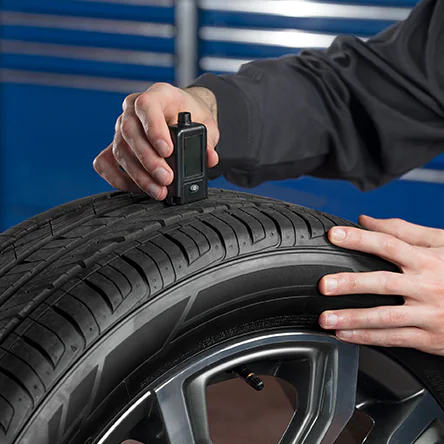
<point>99,296</point>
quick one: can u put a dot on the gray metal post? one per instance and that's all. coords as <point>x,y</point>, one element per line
<point>186,41</point>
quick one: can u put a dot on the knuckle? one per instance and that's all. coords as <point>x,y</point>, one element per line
<point>161,86</point>
<point>365,336</point>
<point>390,284</point>
<point>393,317</point>
<point>142,102</point>
<point>97,164</point>
<point>127,102</point>
<point>117,152</point>
<point>118,124</point>
<point>127,127</point>
<point>401,340</point>
<point>389,243</point>
<point>351,281</point>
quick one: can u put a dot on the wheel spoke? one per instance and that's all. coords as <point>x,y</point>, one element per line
<point>402,422</point>
<point>326,387</point>
<point>183,407</point>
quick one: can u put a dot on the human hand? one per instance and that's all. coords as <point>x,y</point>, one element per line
<point>419,253</point>
<point>142,139</point>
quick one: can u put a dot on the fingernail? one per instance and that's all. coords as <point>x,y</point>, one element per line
<point>331,285</point>
<point>153,190</point>
<point>162,147</point>
<point>345,334</point>
<point>161,175</point>
<point>331,320</point>
<point>338,234</point>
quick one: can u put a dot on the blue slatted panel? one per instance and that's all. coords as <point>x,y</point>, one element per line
<point>118,11</point>
<point>67,66</point>
<point>236,31</point>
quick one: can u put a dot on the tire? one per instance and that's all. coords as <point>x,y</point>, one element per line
<point>102,296</point>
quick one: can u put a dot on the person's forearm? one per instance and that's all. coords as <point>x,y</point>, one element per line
<point>363,112</point>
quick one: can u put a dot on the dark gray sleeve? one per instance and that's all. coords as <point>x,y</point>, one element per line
<point>362,112</point>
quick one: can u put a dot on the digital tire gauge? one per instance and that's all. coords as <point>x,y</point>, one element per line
<point>188,162</point>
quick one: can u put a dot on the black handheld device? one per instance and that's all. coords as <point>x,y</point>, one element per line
<point>188,161</point>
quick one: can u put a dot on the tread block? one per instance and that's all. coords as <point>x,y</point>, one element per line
<point>147,268</point>
<point>7,257</point>
<point>118,279</point>
<point>107,289</point>
<point>314,225</point>
<point>33,238</point>
<point>161,260</point>
<point>300,225</point>
<point>7,414</point>
<point>81,315</point>
<point>254,227</point>
<point>29,354</point>
<point>185,243</point>
<point>284,226</point>
<point>15,395</point>
<point>95,302</point>
<point>225,232</point>
<point>139,286</point>
<point>198,237</point>
<point>24,372</point>
<point>46,342</point>
<point>176,255</point>
<point>73,217</point>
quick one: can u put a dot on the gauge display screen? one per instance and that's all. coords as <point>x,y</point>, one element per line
<point>193,156</point>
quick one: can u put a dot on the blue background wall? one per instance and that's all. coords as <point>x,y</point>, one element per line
<point>67,65</point>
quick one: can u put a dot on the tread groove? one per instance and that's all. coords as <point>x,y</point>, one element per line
<point>110,280</point>
<point>123,275</point>
<point>275,223</point>
<point>40,349</point>
<point>230,228</point>
<point>245,224</point>
<point>180,246</point>
<point>101,293</point>
<point>192,240</point>
<point>18,382</point>
<point>306,221</point>
<point>155,262</point>
<point>213,228</point>
<point>13,413</point>
<point>27,364</point>
<point>86,306</point>
<point>72,321</point>
<point>137,267</point>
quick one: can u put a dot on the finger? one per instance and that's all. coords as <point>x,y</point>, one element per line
<point>126,158</point>
<point>375,282</point>
<point>132,132</point>
<point>383,245</point>
<point>213,140</point>
<point>150,108</point>
<point>106,166</point>
<point>377,317</point>
<point>410,337</point>
<point>406,231</point>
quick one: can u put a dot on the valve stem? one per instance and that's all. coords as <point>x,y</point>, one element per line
<point>249,377</point>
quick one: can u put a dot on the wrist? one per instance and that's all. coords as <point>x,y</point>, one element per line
<point>206,97</point>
